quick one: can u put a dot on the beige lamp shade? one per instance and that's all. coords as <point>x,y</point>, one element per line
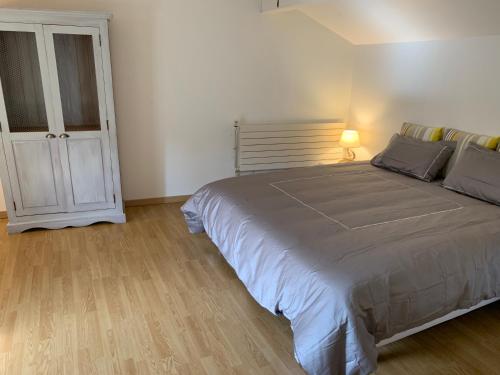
<point>350,139</point>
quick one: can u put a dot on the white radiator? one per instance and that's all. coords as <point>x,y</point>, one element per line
<point>287,145</point>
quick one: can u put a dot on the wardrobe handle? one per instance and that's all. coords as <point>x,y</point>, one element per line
<point>50,136</point>
<point>64,136</point>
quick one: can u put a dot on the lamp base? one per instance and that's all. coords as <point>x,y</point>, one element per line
<point>349,155</point>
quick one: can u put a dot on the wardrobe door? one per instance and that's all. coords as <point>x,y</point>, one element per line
<point>77,81</point>
<point>27,122</point>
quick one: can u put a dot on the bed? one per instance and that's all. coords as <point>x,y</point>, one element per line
<point>351,254</point>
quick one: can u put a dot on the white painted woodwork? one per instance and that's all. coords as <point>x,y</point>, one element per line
<point>34,165</point>
<point>49,17</point>
<point>68,175</point>
<point>287,145</point>
<point>25,176</point>
<point>67,220</point>
<point>85,155</point>
<point>87,178</point>
<point>90,176</point>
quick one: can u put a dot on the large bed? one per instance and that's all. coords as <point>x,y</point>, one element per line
<point>351,254</point>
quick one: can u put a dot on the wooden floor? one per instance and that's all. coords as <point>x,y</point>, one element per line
<point>149,298</point>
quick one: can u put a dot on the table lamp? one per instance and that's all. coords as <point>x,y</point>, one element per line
<point>349,140</point>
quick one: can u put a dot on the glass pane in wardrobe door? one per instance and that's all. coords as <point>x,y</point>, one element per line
<point>22,82</point>
<point>77,81</point>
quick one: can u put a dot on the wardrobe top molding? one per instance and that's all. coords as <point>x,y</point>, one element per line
<point>76,18</point>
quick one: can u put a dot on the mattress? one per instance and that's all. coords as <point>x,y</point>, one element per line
<point>351,254</point>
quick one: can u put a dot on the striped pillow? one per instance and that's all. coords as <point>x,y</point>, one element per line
<point>463,140</point>
<point>423,133</point>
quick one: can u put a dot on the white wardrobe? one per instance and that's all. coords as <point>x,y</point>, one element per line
<point>58,155</point>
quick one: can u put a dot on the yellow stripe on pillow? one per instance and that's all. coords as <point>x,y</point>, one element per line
<point>424,133</point>
<point>494,143</point>
<point>487,141</point>
<point>463,140</point>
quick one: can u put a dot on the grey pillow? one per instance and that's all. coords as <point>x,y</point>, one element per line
<point>413,157</point>
<point>476,174</point>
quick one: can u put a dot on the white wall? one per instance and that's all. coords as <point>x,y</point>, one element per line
<point>185,70</point>
<point>447,83</point>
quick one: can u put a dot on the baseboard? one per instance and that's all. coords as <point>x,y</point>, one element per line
<point>3,214</point>
<point>155,201</point>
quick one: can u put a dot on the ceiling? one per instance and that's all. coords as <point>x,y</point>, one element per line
<point>392,21</point>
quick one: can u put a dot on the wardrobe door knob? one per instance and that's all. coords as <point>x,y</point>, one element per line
<point>50,136</point>
<point>64,136</point>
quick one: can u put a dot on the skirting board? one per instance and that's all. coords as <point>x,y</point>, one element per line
<point>155,201</point>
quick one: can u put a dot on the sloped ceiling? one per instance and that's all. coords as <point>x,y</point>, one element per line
<point>392,21</point>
